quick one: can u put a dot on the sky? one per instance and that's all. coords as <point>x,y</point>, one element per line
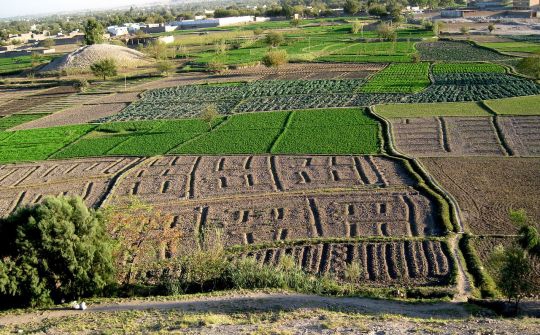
<point>9,8</point>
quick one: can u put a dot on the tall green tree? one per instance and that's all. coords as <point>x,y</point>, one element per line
<point>93,32</point>
<point>352,7</point>
<point>104,68</point>
<point>53,251</point>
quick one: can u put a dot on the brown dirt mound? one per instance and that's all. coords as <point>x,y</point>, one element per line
<point>82,58</point>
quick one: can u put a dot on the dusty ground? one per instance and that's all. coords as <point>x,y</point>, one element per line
<point>467,136</point>
<point>268,313</point>
<point>486,188</point>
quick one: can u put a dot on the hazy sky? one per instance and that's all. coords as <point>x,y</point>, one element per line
<point>10,8</point>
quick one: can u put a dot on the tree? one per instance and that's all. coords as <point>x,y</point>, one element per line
<point>351,7</point>
<point>464,30</point>
<point>377,10</point>
<point>48,43</point>
<point>357,26</point>
<point>295,22</point>
<point>52,251</point>
<point>274,39</point>
<point>164,67</point>
<point>436,28</point>
<point>513,273</point>
<point>530,66</point>
<point>156,49</point>
<point>275,58</point>
<point>104,68</point>
<point>491,27</point>
<point>387,32</point>
<point>209,113</point>
<point>93,32</point>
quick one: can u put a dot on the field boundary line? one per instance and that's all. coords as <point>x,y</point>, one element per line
<point>117,178</point>
<point>212,128</point>
<point>283,130</point>
<point>508,151</point>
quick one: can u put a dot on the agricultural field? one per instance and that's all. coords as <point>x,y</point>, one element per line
<point>528,105</point>
<point>10,65</point>
<point>431,109</point>
<point>456,51</point>
<point>443,68</point>
<point>453,87</point>
<point>336,200</point>
<point>500,183</point>
<point>519,47</point>
<point>399,78</point>
<point>326,131</point>
<point>350,154</point>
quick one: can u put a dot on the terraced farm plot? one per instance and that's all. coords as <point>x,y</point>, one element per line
<point>416,263</point>
<point>447,136</point>
<point>453,87</point>
<point>500,184</point>
<point>522,134</point>
<point>29,183</point>
<point>17,119</point>
<point>75,115</point>
<point>38,144</point>
<point>431,109</point>
<point>454,51</point>
<point>265,199</point>
<point>527,105</point>
<point>442,68</point>
<point>338,131</point>
<point>28,104</point>
<point>311,71</point>
<point>399,78</point>
<point>134,138</point>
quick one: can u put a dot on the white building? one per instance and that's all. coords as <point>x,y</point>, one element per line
<point>117,31</point>
<point>219,22</point>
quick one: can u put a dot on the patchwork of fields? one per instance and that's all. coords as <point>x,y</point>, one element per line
<point>301,160</point>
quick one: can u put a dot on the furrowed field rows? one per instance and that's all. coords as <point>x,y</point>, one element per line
<point>455,51</point>
<point>251,199</point>
<point>467,136</point>
<point>29,183</point>
<point>416,263</point>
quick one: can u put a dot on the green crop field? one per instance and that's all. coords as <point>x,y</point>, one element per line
<point>14,64</point>
<point>528,105</point>
<point>329,131</point>
<point>399,78</point>
<point>38,144</point>
<point>524,47</point>
<point>431,109</point>
<point>17,119</point>
<point>467,68</point>
<point>137,138</point>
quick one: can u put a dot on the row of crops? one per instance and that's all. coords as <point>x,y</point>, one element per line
<point>326,131</point>
<point>456,51</point>
<point>474,87</point>
<point>398,83</point>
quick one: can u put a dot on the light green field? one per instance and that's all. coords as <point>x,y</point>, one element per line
<point>431,109</point>
<point>529,105</point>
<point>525,47</point>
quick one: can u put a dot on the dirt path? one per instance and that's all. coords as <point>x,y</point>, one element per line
<point>259,302</point>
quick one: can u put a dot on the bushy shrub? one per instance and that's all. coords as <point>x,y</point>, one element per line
<point>53,251</point>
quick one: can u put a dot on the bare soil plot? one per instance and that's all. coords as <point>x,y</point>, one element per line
<point>22,184</point>
<point>127,97</point>
<point>486,188</point>
<point>198,78</point>
<point>182,177</point>
<point>75,115</point>
<point>447,136</point>
<point>522,134</point>
<point>382,263</point>
<point>282,217</point>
